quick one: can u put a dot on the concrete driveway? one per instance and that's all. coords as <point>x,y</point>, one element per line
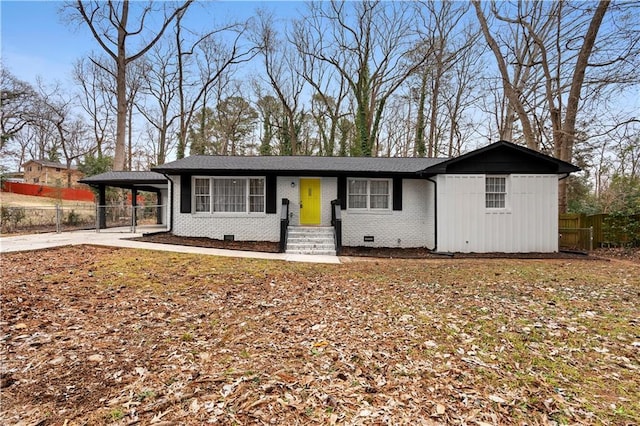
<point>120,237</point>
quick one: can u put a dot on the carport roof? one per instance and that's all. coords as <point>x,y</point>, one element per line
<point>139,180</point>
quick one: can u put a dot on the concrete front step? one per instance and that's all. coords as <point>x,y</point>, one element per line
<point>311,240</point>
<point>307,246</point>
<point>314,252</point>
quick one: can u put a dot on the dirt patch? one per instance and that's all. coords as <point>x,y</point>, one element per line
<point>94,335</point>
<point>374,252</point>
<point>424,253</point>
<point>9,199</point>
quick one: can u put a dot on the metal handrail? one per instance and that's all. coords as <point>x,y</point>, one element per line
<point>336,222</point>
<point>284,224</point>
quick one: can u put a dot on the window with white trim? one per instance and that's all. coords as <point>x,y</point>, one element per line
<point>229,195</point>
<point>256,195</point>
<point>202,194</point>
<point>496,192</point>
<point>368,194</point>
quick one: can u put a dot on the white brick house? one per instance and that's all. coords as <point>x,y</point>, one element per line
<point>500,198</point>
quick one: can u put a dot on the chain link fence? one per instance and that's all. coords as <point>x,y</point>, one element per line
<point>38,219</point>
<point>113,216</point>
<point>57,218</point>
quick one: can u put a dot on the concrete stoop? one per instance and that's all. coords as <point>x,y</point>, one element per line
<point>314,240</point>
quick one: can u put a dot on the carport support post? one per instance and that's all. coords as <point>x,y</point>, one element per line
<point>158,208</point>
<point>134,204</point>
<point>102,207</point>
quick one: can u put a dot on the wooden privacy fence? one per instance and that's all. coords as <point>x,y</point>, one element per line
<point>587,232</point>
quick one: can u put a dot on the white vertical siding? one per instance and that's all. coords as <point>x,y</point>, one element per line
<point>529,223</point>
<point>413,226</point>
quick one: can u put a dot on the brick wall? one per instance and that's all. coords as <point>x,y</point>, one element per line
<point>243,226</point>
<point>52,176</point>
<point>413,226</point>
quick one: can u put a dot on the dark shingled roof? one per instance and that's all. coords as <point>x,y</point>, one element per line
<point>299,165</point>
<point>505,157</point>
<point>51,164</point>
<point>127,179</point>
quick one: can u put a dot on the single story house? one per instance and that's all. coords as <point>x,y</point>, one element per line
<point>499,198</point>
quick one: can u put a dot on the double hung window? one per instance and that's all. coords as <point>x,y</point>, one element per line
<point>495,192</point>
<point>368,194</point>
<point>229,195</point>
<point>202,194</point>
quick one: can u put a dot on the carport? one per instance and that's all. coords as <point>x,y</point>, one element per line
<point>134,181</point>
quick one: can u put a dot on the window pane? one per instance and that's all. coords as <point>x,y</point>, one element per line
<point>496,191</point>
<point>202,195</point>
<point>495,201</point>
<point>379,201</point>
<point>229,195</point>
<point>379,194</point>
<point>256,195</point>
<point>357,194</point>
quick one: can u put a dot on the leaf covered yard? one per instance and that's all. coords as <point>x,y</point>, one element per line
<point>99,335</point>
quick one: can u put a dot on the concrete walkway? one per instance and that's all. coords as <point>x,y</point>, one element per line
<point>120,237</point>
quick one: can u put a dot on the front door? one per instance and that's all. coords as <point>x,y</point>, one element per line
<point>309,201</point>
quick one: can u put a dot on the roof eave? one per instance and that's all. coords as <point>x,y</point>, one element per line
<point>279,172</point>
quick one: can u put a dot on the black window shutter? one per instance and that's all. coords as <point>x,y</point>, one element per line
<point>397,193</point>
<point>185,194</point>
<point>342,192</point>
<point>271,182</point>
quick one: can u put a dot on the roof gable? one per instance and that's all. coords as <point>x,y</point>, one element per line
<point>502,157</point>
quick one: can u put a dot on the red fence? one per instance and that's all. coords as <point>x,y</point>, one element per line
<point>70,194</point>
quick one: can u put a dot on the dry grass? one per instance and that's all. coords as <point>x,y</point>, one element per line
<point>9,199</point>
<point>28,214</point>
<point>128,336</point>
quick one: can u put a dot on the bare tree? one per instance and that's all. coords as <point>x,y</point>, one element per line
<point>281,64</point>
<point>269,109</point>
<point>561,66</point>
<point>135,77</point>
<point>16,105</point>
<point>97,93</point>
<point>445,41</point>
<point>160,85</point>
<point>204,60</point>
<point>372,45</point>
<point>69,130</point>
<point>329,86</point>
<point>111,27</point>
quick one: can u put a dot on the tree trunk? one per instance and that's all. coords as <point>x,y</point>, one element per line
<point>121,91</point>
<point>566,138</point>
<point>510,91</point>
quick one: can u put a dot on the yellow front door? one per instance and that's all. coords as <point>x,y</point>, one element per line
<point>309,201</point>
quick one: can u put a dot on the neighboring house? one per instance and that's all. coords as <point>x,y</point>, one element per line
<point>500,198</point>
<point>49,173</point>
<point>17,177</point>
